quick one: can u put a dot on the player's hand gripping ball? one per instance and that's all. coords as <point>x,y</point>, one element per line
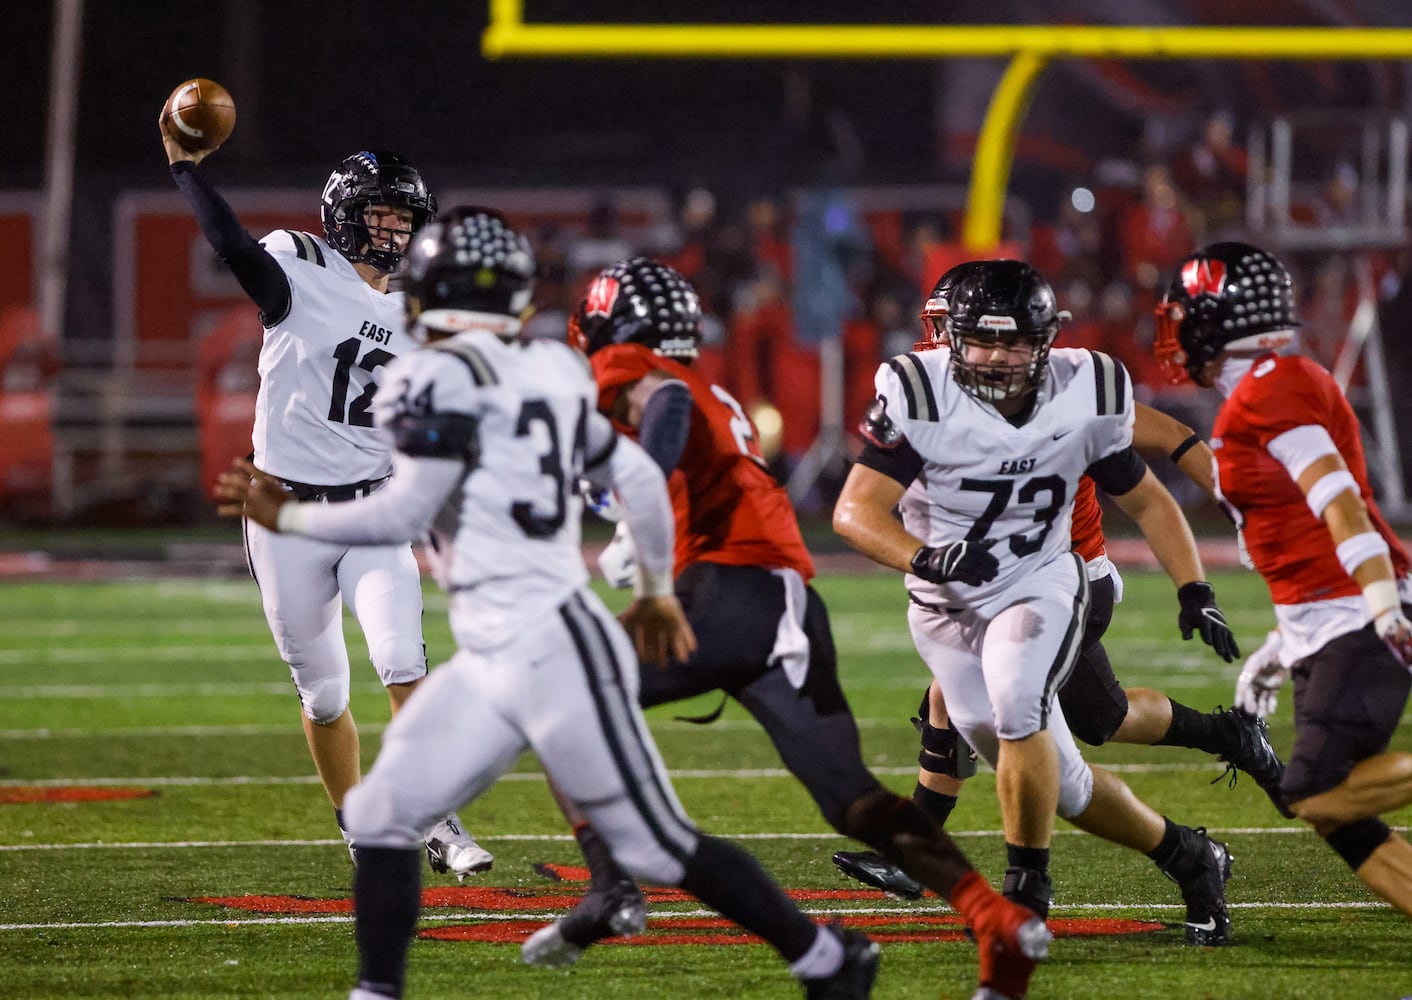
<point>200,115</point>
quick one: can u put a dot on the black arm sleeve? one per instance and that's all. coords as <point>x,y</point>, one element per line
<point>253,266</point>
<point>666,422</point>
<point>439,435</point>
<point>900,462</point>
<point>1119,472</point>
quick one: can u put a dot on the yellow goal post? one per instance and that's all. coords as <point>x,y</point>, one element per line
<point>1029,47</point>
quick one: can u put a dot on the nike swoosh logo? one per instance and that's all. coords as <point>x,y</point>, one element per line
<point>1061,434</point>
<point>1210,925</point>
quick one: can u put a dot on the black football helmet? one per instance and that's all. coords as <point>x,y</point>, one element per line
<point>936,307</point>
<point>468,270</point>
<point>643,302</point>
<point>1226,296</point>
<point>1007,303</point>
<point>366,179</point>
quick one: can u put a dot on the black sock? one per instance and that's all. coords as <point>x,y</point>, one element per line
<point>1167,848</point>
<point>387,895</point>
<point>935,804</point>
<point>602,869</point>
<point>338,815</point>
<point>1036,858</point>
<point>1190,728</point>
<point>732,882</point>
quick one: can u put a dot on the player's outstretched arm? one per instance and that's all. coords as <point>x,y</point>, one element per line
<point>1154,432</point>
<point>257,271</point>
<point>1160,518</point>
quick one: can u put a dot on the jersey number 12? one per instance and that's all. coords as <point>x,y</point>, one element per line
<point>359,414</point>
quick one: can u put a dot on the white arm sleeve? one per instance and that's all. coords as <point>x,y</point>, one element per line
<point>1301,447</point>
<point>399,512</point>
<point>642,490</point>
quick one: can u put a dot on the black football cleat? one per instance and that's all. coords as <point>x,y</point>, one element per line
<point>620,910</point>
<point>873,869</point>
<point>1249,750</point>
<point>1201,867</point>
<point>854,979</point>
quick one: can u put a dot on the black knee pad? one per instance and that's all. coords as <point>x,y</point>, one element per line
<point>1355,842</point>
<point>943,750</point>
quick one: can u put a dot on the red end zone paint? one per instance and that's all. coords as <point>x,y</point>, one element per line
<point>664,928</point>
<point>19,796</point>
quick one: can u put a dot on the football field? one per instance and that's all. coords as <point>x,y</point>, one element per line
<point>162,833</point>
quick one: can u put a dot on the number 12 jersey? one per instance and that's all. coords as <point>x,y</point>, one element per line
<point>319,367</point>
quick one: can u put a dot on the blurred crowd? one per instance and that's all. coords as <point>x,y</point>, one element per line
<point>779,272</point>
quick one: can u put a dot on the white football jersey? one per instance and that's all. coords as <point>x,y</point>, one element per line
<point>507,543</point>
<point>320,366</point>
<point>984,478</point>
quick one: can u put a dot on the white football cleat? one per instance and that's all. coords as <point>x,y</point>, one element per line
<point>450,850</point>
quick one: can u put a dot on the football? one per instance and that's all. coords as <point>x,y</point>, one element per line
<point>201,113</point>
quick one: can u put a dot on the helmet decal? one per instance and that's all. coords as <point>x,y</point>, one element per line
<point>601,296</point>
<point>1201,276</point>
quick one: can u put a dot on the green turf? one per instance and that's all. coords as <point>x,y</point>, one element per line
<point>173,686</point>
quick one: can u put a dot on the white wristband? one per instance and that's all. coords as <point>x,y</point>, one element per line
<point>1355,551</point>
<point>1324,490</point>
<point>289,518</point>
<point>1382,597</point>
<point>652,584</point>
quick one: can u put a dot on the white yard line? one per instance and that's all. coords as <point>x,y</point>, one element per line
<point>821,835</point>
<point>154,781</point>
<point>658,916</point>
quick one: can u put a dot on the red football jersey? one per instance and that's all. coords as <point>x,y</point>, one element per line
<point>1086,533</point>
<point>1291,548</point>
<point>729,509</point>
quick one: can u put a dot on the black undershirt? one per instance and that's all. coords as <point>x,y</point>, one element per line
<point>254,267</point>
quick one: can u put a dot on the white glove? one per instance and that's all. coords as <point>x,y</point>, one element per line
<point>1242,552</point>
<point>602,501</point>
<point>1261,678</point>
<point>618,560</point>
<point>1394,629</point>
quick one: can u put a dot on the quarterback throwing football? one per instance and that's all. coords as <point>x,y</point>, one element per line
<point>331,325</point>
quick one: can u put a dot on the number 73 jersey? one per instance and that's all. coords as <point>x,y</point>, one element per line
<point>728,507</point>
<point>319,368</point>
<point>984,479</point>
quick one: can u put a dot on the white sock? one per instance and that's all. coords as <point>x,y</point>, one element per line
<point>824,957</point>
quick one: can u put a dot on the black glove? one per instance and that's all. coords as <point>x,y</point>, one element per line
<point>968,562</point>
<point>1200,614</point>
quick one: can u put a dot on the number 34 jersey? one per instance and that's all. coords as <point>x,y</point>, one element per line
<point>319,367</point>
<point>506,544</point>
<point>983,478</point>
<point>728,507</point>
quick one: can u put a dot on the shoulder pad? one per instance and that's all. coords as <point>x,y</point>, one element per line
<point>878,428</point>
<point>1113,395</point>
<point>470,356</point>
<point>917,391</point>
<point>301,245</point>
